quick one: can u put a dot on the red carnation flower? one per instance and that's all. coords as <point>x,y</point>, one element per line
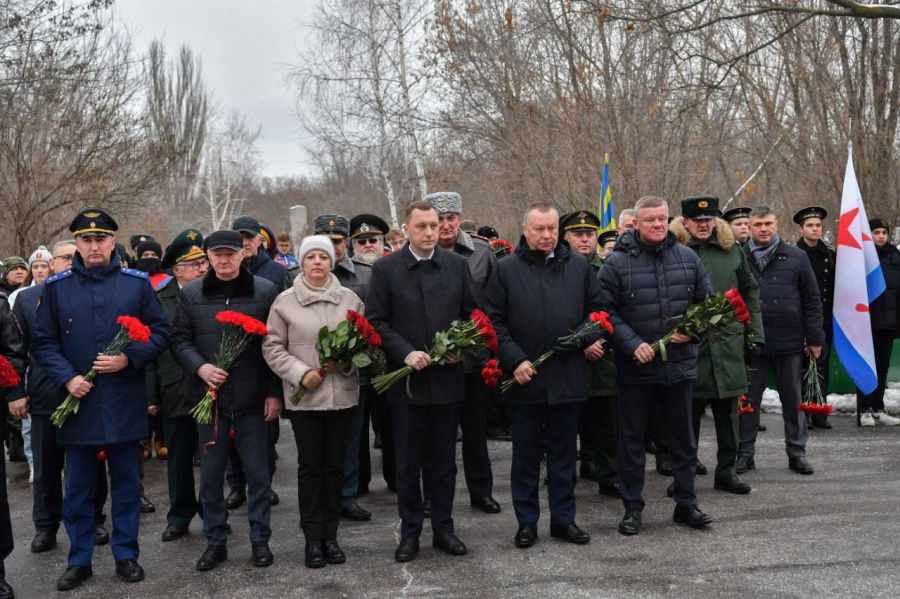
<point>137,331</point>
<point>101,453</point>
<point>365,328</point>
<point>8,375</point>
<point>486,330</point>
<point>491,373</point>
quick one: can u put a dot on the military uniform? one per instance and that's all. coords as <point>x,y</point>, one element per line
<point>76,321</point>
<point>823,260</point>
<point>174,391</point>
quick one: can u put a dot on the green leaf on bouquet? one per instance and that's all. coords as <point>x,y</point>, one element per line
<point>323,333</point>
<point>361,360</point>
<point>463,342</point>
<point>713,321</point>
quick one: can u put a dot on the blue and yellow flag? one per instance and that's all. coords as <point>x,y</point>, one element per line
<point>607,212</point>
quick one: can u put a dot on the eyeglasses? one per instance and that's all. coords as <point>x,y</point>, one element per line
<point>367,241</point>
<point>64,257</point>
<point>195,265</point>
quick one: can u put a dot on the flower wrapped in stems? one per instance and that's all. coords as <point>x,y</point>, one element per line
<point>598,320</point>
<point>813,402</point>
<point>462,338</point>
<point>348,343</point>
<point>238,331</point>
<point>131,331</point>
<point>710,314</point>
<point>8,375</point>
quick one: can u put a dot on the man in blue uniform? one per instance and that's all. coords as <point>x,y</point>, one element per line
<point>75,323</point>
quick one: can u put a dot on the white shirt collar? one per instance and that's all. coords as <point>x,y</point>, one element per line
<point>419,258</point>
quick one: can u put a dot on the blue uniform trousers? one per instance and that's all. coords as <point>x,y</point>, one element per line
<point>78,506</point>
<point>557,425</point>
<point>676,406</point>
<point>251,442</point>
<point>425,437</point>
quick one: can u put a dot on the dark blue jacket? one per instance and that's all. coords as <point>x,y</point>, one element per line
<point>647,289</point>
<point>76,320</point>
<point>789,301</point>
<point>44,396</point>
<point>532,302</point>
<point>263,266</point>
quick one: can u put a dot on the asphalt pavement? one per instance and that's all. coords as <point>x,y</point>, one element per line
<point>832,534</point>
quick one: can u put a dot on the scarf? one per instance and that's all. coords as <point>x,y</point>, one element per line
<point>762,255</point>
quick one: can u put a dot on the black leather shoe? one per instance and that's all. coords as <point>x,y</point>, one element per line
<point>262,555</point>
<point>821,422</point>
<point>426,509</point>
<point>355,513</point>
<point>526,536</point>
<point>173,532</point>
<point>670,490</point>
<point>147,506</point>
<point>129,570</point>
<point>212,557</point>
<point>101,536</point>
<point>701,469</point>
<point>448,543</point>
<point>333,553</point>
<point>235,499</point>
<point>800,465</point>
<point>488,505</point>
<point>314,558</point>
<point>690,515</point>
<point>569,533</point>
<point>6,590</point>
<point>588,470</point>
<point>650,447</point>
<point>610,490</point>
<point>631,523</point>
<point>664,466</point>
<point>731,485</point>
<point>744,463</point>
<point>73,577</point>
<point>43,541</point>
<point>762,427</point>
<point>274,499</point>
<point>407,550</point>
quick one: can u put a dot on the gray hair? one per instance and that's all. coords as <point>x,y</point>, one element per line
<point>624,213</point>
<point>543,207</point>
<point>761,211</point>
<point>649,202</point>
<point>61,243</point>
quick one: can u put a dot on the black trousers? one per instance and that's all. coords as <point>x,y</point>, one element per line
<point>381,407</point>
<point>635,405</point>
<point>883,340</point>
<point>425,437</point>
<point>184,502</point>
<point>599,434</point>
<point>365,457</point>
<point>476,461</point>
<point>49,461</point>
<point>234,473</point>
<point>321,437</point>
<point>6,536</point>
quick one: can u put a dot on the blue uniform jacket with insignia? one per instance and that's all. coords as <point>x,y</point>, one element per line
<point>76,320</point>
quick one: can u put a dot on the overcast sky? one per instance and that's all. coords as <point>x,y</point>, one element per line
<point>245,46</point>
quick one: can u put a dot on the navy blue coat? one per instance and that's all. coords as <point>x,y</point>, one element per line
<point>44,396</point>
<point>647,289</point>
<point>789,301</point>
<point>263,266</point>
<point>532,302</point>
<point>76,320</point>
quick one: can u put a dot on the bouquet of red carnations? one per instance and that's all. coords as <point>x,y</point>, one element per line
<point>463,337</point>
<point>238,330</point>
<point>8,376</point>
<point>347,343</point>
<point>131,331</point>
<point>598,320</point>
<point>813,403</point>
<point>710,314</point>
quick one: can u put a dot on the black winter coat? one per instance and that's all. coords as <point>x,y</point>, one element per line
<point>532,302</point>
<point>789,301</point>
<point>823,260</point>
<point>263,266</point>
<point>885,310</point>
<point>355,276</point>
<point>44,396</point>
<point>408,302</point>
<point>647,289</point>
<point>196,335</point>
<point>12,348</point>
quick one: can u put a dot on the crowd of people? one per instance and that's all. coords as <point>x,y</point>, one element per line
<point>606,402</point>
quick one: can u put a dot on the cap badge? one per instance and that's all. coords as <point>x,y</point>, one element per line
<point>93,225</point>
<point>331,223</point>
<point>92,215</point>
<point>703,204</point>
<point>192,235</point>
<point>142,237</point>
<point>364,228</point>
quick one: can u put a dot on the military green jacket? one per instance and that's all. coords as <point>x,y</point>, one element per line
<point>721,371</point>
<point>167,384</point>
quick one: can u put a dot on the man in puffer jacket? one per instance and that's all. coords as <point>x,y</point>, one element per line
<point>792,318</point>
<point>648,283</point>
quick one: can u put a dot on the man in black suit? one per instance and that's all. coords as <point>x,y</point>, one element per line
<point>413,294</point>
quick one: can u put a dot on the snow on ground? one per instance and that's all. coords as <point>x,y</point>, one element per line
<point>844,404</point>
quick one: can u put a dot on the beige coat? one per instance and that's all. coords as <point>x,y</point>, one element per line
<point>290,347</point>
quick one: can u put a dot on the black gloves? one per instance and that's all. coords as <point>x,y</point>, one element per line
<point>566,346</point>
<point>752,352</point>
